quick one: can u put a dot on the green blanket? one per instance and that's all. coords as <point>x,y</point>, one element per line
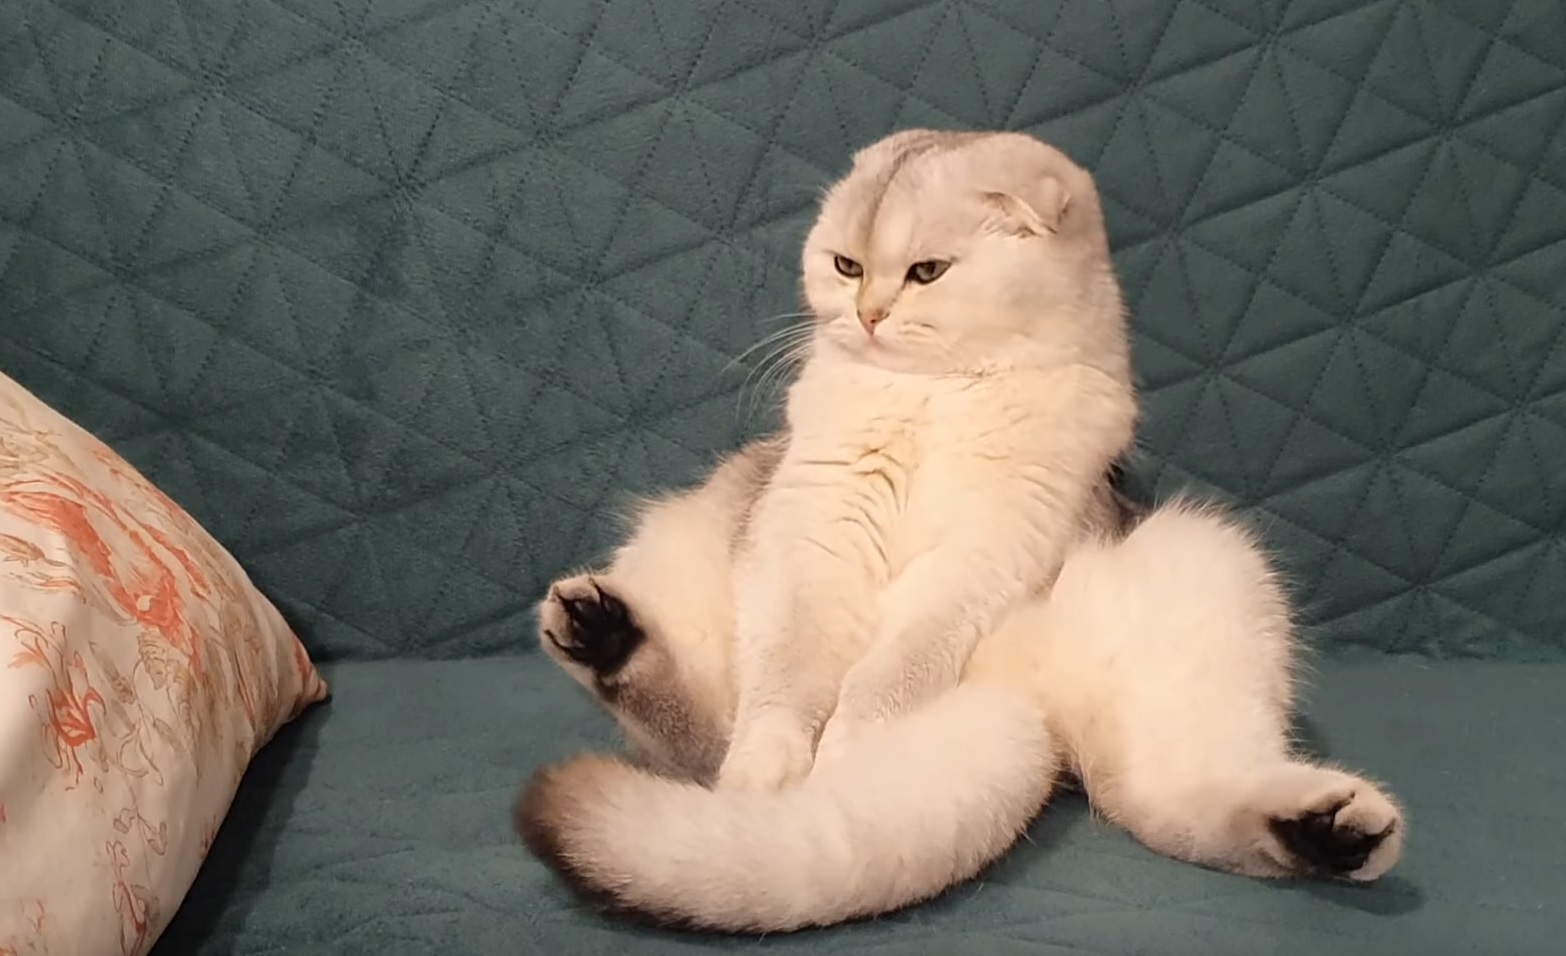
<point>404,298</point>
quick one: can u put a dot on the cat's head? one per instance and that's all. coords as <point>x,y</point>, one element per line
<point>945,252</point>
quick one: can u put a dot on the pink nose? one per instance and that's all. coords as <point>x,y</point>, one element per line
<point>870,318</point>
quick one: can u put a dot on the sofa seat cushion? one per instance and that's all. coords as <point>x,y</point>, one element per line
<point>380,824</point>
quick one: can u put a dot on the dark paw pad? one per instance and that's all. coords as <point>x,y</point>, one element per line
<point>1322,846</point>
<point>599,631</point>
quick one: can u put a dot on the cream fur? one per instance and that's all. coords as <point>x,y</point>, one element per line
<point>1158,671</point>
<point>945,439</point>
<point>936,512</point>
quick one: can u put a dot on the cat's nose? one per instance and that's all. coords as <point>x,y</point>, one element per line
<point>870,318</point>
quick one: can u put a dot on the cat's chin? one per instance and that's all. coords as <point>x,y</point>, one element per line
<point>904,364</point>
<point>889,357</point>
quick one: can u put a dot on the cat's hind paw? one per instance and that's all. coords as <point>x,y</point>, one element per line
<point>1348,830</point>
<point>585,626</point>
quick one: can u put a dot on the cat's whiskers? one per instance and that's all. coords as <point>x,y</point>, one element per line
<point>773,374</point>
<point>772,338</point>
<point>785,348</point>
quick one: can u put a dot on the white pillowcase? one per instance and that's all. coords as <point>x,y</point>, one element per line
<point>140,671</point>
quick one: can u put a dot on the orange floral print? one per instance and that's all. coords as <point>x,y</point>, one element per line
<point>141,585</point>
<point>137,906</point>
<point>35,919</point>
<point>151,669</point>
<point>67,709</point>
<point>209,832</point>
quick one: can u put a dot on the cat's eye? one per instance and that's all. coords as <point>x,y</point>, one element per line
<point>927,271</point>
<point>847,267</point>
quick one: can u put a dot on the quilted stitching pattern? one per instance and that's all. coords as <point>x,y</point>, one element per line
<point>376,832</point>
<point>399,298</point>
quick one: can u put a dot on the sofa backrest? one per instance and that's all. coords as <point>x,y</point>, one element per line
<point>404,300</point>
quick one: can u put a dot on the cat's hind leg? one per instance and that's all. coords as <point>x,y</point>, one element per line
<point>650,636</point>
<point>597,638</point>
<point>1168,669</point>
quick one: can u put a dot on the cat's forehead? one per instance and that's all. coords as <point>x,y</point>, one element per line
<point>978,161</point>
<point>883,176</point>
<point>903,159</point>
<point>885,156</point>
<point>929,180</point>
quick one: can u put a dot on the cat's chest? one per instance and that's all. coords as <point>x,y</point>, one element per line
<point>860,424</point>
<point>871,447</point>
<point>915,422</point>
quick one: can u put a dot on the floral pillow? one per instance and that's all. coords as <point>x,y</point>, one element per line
<point>140,671</point>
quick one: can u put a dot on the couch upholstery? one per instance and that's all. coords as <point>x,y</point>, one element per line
<point>402,298</point>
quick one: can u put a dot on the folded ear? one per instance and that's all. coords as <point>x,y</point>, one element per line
<point>1042,211</point>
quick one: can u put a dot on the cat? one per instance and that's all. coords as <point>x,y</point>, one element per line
<point>968,386</point>
<point>859,657</point>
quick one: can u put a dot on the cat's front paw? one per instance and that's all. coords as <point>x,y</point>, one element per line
<point>769,755</point>
<point>837,740</point>
<point>1345,828</point>
<point>586,627</point>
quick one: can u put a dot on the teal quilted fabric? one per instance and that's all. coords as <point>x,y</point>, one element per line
<point>402,297</point>
<point>371,829</point>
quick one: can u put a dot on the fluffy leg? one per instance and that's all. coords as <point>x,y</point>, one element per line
<point>912,806</point>
<point>805,587</point>
<point>651,635</point>
<point>593,634</point>
<point>794,641</point>
<point>1166,668</point>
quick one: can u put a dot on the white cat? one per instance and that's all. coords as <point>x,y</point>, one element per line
<point>968,387</point>
<point>937,510</point>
